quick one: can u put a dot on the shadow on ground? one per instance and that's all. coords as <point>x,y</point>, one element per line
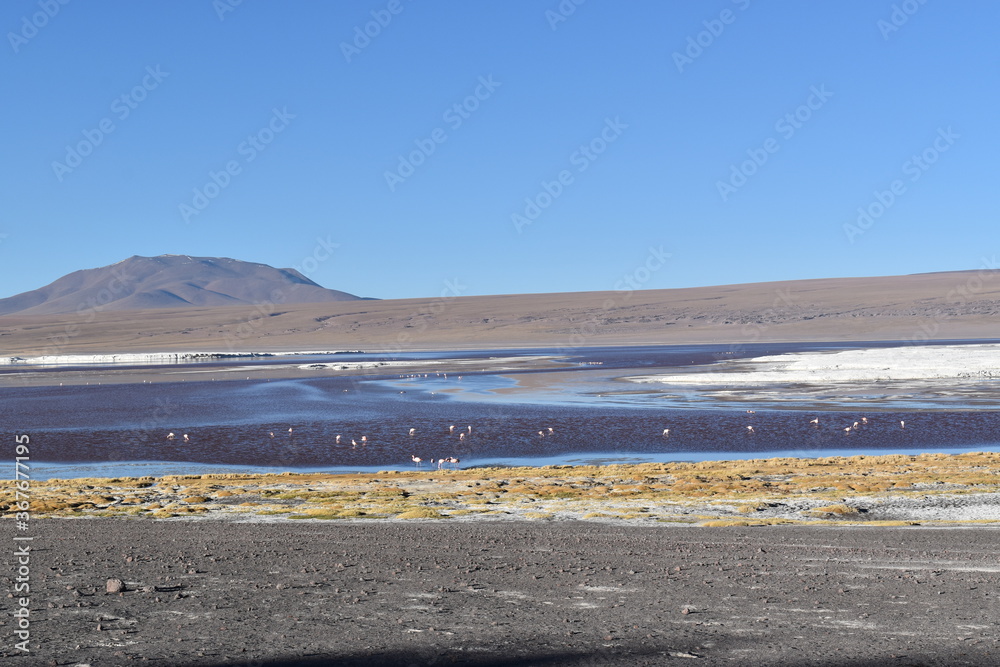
<point>766,657</point>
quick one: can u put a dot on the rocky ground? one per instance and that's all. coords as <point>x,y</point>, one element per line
<point>507,593</point>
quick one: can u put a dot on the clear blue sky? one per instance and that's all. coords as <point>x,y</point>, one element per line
<point>673,129</point>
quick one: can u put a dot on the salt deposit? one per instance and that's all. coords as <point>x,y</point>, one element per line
<point>895,364</point>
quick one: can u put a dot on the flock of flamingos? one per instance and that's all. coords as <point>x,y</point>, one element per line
<point>548,431</point>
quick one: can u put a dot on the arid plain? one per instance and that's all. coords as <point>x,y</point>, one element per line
<point>952,305</point>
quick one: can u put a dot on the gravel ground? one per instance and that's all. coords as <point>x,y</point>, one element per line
<point>507,593</point>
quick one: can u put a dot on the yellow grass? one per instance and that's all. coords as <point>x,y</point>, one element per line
<point>624,492</point>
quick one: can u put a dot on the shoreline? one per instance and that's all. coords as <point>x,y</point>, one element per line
<point>863,489</point>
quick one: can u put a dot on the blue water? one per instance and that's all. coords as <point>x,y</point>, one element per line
<point>116,430</point>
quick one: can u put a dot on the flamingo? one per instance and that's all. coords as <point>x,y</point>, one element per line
<point>470,430</point>
<point>364,440</point>
<point>271,433</point>
<point>289,430</point>
<point>338,439</point>
<point>550,430</point>
<point>452,460</point>
<point>855,426</point>
<point>902,424</point>
<point>864,420</point>
<point>416,459</point>
<point>413,431</point>
<point>814,421</point>
<point>666,432</point>
<point>847,430</point>
<point>451,429</point>
<point>170,436</point>
<point>354,443</point>
<point>461,436</point>
<point>751,412</point>
<point>186,438</point>
<point>750,429</point>
<point>541,434</point>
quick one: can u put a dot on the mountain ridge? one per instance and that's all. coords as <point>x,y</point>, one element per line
<point>170,281</point>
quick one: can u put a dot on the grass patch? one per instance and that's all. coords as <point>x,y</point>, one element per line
<point>750,508</point>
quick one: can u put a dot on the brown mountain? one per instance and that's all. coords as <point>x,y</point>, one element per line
<point>170,281</point>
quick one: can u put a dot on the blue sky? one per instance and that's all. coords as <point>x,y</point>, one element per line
<point>741,138</point>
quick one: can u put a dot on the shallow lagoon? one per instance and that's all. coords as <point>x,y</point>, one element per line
<point>120,429</point>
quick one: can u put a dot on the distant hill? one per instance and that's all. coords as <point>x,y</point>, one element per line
<point>953,305</point>
<point>171,281</point>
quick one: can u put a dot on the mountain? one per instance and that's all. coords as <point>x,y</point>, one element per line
<point>170,281</point>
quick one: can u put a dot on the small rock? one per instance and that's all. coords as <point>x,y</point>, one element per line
<point>115,586</point>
